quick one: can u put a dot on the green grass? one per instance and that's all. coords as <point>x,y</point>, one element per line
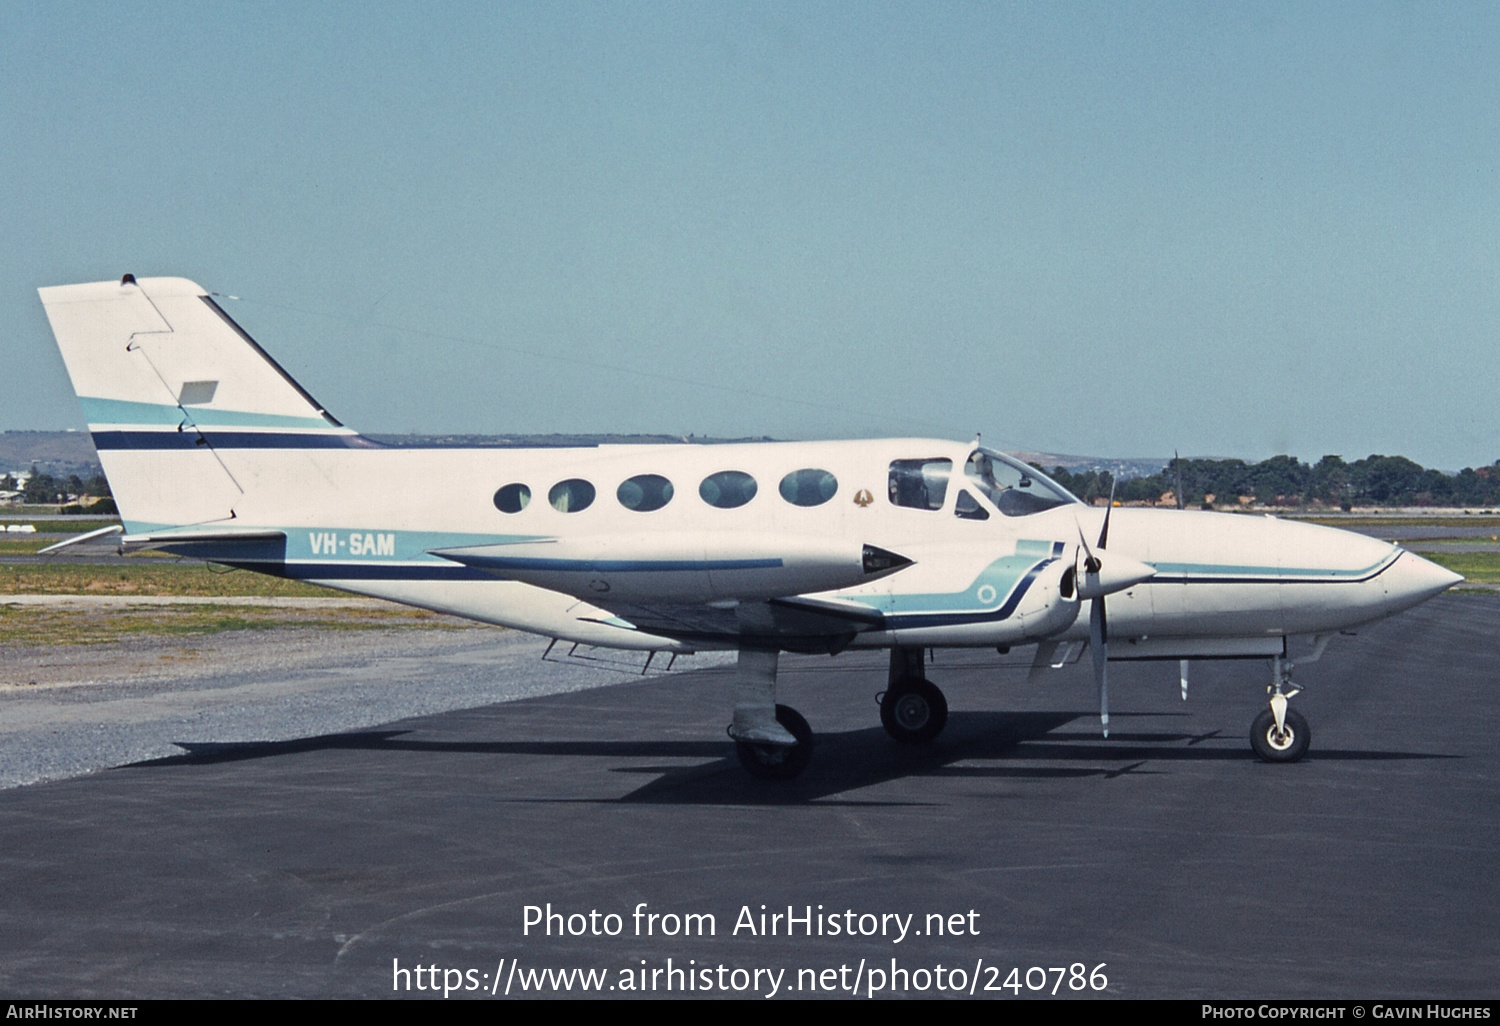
<point>1477,567</point>
<point>49,625</point>
<point>1473,540</point>
<point>69,525</point>
<point>149,577</point>
<point>1361,520</point>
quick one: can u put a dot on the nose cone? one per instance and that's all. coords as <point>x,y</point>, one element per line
<point>1412,579</point>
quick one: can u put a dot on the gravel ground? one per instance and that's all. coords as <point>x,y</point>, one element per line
<point>67,710</point>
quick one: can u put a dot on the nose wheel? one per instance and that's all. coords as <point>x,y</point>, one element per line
<point>1286,743</point>
<point>913,710</point>
<point>1279,733</point>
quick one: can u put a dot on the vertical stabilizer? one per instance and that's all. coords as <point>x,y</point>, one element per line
<point>172,389</point>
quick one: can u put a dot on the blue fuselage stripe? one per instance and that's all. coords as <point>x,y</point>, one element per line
<point>303,571</point>
<point>910,620</point>
<point>190,439</point>
<point>604,566</point>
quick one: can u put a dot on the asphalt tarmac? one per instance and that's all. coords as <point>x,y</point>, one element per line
<point>1165,862</point>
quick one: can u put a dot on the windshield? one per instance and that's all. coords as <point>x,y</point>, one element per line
<point>1013,487</point>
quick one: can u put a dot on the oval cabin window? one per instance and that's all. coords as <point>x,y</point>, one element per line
<point>571,495</point>
<point>809,487</point>
<point>728,489</point>
<point>512,498</point>
<point>645,492</point>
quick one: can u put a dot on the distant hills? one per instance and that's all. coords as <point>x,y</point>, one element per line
<point>59,453</point>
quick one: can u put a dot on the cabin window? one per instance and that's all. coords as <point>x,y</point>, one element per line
<point>968,507</point>
<point>728,489</point>
<point>512,498</point>
<point>645,492</point>
<point>920,484</point>
<point>571,495</point>
<point>810,487</point>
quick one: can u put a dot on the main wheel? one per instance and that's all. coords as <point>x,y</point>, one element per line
<point>779,762</point>
<point>1287,746</point>
<point>914,711</point>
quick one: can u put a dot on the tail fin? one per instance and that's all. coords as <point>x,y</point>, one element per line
<point>170,385</point>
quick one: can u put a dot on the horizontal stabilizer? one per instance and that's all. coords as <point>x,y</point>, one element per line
<point>183,541</point>
<point>79,539</point>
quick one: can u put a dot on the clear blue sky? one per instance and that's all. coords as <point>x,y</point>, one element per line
<point>1114,229</point>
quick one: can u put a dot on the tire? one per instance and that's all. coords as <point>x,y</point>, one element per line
<point>779,762</point>
<point>1290,746</point>
<point>914,711</point>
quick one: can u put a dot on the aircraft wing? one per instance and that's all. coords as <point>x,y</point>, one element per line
<point>684,567</point>
<point>791,624</point>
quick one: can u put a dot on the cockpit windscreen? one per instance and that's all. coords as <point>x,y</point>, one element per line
<point>1014,488</point>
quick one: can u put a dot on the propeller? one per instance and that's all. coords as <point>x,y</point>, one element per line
<point>1098,620</point>
<point>1098,577</point>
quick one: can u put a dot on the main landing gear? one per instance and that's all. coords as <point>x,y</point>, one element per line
<point>773,742</point>
<point>772,761</point>
<point>912,708</point>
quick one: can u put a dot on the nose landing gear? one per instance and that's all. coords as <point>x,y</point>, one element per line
<point>1281,734</point>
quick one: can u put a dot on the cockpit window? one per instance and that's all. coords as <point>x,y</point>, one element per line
<point>968,508</point>
<point>920,484</point>
<point>1013,487</point>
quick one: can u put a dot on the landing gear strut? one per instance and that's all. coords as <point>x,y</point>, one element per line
<point>912,708</point>
<point>1281,734</point>
<point>773,742</point>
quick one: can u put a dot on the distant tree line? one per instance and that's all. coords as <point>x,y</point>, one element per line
<point>45,490</point>
<point>1285,481</point>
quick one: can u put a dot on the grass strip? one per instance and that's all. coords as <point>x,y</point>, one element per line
<point>174,577</point>
<point>47,625</point>
<point>1477,567</point>
<point>1355,520</point>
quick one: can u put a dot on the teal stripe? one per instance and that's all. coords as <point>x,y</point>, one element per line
<point>407,546</point>
<point>986,593</point>
<point>1228,570</point>
<point>123,411</point>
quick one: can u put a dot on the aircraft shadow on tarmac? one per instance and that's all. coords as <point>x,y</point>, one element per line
<point>1015,745</point>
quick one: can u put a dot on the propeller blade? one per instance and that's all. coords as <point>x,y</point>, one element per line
<point>1099,647</point>
<point>1091,562</point>
<point>1104,531</point>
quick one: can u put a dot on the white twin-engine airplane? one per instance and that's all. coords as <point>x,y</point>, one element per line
<point>213,451</point>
